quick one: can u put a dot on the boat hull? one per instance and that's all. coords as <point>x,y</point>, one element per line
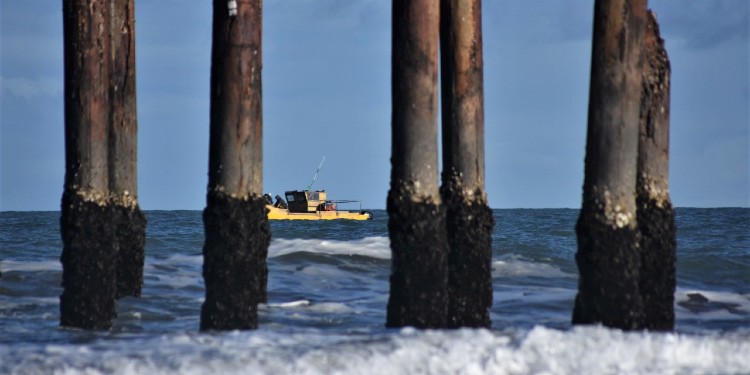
<point>276,213</point>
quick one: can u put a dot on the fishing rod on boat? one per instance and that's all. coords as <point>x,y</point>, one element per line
<point>316,173</point>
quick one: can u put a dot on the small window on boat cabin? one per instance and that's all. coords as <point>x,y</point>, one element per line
<point>290,197</point>
<point>313,196</point>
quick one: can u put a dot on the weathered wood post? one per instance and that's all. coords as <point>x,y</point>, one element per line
<point>416,217</point>
<point>608,257</point>
<point>236,225</point>
<point>130,224</point>
<point>468,217</point>
<point>89,256</point>
<point>655,213</point>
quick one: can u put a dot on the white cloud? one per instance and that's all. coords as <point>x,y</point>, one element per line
<point>30,88</point>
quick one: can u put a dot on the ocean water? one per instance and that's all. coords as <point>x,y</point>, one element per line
<point>328,289</point>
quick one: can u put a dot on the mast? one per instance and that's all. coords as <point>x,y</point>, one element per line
<point>316,173</point>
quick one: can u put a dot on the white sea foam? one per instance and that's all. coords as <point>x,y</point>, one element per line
<point>373,247</point>
<point>30,266</point>
<point>331,308</point>
<point>176,271</point>
<point>177,281</point>
<point>513,265</point>
<point>308,306</point>
<point>582,350</point>
<point>379,247</point>
<point>297,303</point>
<point>184,259</point>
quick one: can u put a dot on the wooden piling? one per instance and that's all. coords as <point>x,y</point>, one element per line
<point>468,216</point>
<point>416,217</point>
<point>89,253</point>
<point>236,225</point>
<point>655,213</point>
<point>130,224</point>
<point>608,258</point>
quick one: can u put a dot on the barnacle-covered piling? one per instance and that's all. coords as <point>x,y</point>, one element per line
<point>469,220</point>
<point>416,216</point>
<point>89,255</point>
<point>655,212</point>
<point>102,227</point>
<point>236,226</point>
<point>130,234</point>
<point>608,254</point>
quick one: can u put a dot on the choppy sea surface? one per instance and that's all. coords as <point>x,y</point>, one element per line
<point>328,289</point>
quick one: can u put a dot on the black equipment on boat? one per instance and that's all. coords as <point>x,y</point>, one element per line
<point>280,202</point>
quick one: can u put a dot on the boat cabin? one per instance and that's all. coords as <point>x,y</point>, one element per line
<point>308,201</point>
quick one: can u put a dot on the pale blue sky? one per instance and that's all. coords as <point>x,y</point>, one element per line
<point>326,92</point>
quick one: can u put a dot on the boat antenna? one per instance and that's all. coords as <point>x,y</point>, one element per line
<point>316,173</point>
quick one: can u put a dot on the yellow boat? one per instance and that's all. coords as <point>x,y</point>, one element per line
<point>311,205</point>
